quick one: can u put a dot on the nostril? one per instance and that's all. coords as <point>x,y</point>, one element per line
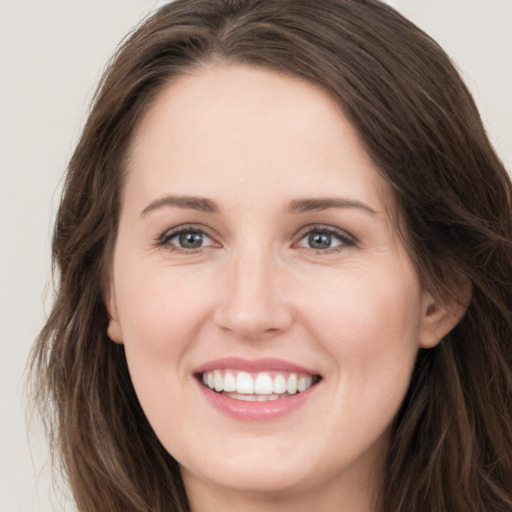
<point>252,324</point>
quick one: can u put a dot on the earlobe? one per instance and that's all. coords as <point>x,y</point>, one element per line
<point>441,315</point>
<point>114,330</point>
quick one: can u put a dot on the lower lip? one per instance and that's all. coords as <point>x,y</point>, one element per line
<point>256,411</point>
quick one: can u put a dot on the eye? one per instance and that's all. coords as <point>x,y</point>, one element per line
<point>326,239</point>
<point>189,239</point>
<point>186,238</point>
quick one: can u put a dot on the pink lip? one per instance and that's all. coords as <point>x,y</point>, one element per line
<point>254,411</point>
<point>256,365</point>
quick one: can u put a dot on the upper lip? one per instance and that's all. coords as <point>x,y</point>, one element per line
<point>253,365</point>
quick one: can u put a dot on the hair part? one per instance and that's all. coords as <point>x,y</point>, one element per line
<point>451,442</point>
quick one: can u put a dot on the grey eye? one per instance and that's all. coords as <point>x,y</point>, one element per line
<point>325,238</point>
<point>186,239</point>
<point>190,239</point>
<point>319,240</point>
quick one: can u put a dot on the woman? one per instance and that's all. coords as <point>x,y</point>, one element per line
<point>284,252</point>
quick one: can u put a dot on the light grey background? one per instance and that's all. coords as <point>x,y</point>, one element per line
<point>52,53</point>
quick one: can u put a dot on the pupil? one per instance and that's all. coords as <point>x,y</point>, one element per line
<point>191,240</point>
<point>319,241</point>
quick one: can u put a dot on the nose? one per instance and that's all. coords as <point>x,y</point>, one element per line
<point>252,301</point>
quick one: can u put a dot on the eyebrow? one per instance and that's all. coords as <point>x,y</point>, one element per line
<point>296,207</point>
<point>314,205</point>
<point>190,203</point>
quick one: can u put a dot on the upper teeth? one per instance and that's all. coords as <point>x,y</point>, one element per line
<point>262,383</point>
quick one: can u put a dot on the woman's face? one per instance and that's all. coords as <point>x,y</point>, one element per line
<point>255,253</point>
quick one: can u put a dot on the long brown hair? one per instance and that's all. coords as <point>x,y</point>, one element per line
<point>451,442</point>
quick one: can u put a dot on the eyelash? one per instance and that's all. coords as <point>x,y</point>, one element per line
<point>318,229</point>
<point>165,239</point>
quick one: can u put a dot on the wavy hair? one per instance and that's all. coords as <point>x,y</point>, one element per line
<point>451,442</point>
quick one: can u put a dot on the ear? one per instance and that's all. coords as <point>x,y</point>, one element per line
<point>114,330</point>
<point>441,313</point>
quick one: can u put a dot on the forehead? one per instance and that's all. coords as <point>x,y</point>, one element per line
<point>221,127</point>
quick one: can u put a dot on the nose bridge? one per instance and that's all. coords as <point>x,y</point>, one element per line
<point>252,304</point>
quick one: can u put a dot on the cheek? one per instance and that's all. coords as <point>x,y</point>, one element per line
<point>161,314</point>
<point>160,309</point>
<point>369,325</point>
<point>370,333</point>
<point>160,318</point>
<point>370,310</point>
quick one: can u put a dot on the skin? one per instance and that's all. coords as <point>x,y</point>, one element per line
<point>355,313</point>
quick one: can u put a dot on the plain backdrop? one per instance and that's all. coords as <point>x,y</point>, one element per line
<point>52,53</point>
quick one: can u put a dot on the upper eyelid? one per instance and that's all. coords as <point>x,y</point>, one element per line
<point>325,228</point>
<point>164,240</point>
<point>176,230</point>
<point>298,235</point>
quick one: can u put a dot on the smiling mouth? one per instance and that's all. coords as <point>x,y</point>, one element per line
<point>257,387</point>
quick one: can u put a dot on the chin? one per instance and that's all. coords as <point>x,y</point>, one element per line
<point>253,469</point>
<point>252,479</point>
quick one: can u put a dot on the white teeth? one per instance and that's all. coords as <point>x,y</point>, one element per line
<point>246,398</point>
<point>263,384</point>
<point>218,380</point>
<point>244,383</point>
<point>279,384</point>
<point>304,383</point>
<point>229,382</point>
<point>291,384</point>
<point>260,385</point>
<point>253,398</point>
